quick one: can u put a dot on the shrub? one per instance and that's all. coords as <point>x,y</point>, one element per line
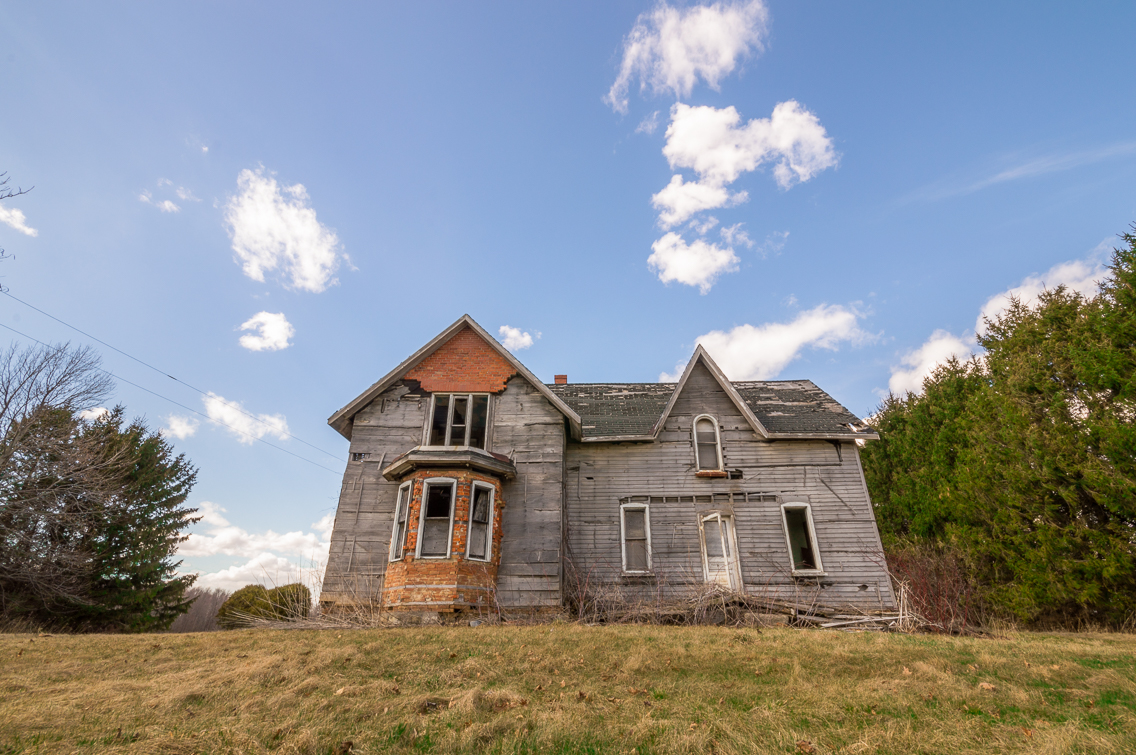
<point>292,601</point>
<point>254,602</point>
<point>248,603</point>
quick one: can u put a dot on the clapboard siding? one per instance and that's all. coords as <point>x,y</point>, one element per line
<point>530,430</point>
<point>819,473</point>
<point>364,520</point>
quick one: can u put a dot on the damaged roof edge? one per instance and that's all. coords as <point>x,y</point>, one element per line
<point>341,421</point>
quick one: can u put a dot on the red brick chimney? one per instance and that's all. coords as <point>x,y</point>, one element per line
<point>560,379</point>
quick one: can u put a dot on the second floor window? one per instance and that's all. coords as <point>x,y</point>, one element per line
<point>707,444</point>
<point>459,419</point>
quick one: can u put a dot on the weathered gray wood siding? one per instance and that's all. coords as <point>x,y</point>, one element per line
<point>364,521</point>
<point>600,474</point>
<point>524,425</point>
<point>530,430</point>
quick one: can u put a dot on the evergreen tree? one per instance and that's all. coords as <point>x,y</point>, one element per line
<point>1025,459</point>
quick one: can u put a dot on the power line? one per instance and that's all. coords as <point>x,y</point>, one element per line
<point>214,397</point>
<point>178,403</point>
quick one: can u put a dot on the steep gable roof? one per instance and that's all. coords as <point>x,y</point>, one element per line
<point>783,409</point>
<point>342,419</point>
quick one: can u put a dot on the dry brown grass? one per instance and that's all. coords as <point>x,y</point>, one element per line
<point>567,688</point>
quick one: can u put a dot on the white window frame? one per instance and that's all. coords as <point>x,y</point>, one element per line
<point>450,418</point>
<point>812,533</point>
<point>623,535</point>
<point>426,485</point>
<point>733,560</point>
<point>469,521</point>
<point>717,440</point>
<point>409,486</point>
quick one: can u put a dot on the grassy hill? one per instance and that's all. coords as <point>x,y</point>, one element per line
<point>567,688</point>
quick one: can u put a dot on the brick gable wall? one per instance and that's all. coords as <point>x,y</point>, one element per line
<point>465,363</point>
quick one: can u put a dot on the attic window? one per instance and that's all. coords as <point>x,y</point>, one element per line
<point>707,444</point>
<point>459,419</point>
<point>800,535</point>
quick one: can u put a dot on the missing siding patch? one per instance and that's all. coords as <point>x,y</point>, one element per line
<point>736,474</point>
<point>359,456</point>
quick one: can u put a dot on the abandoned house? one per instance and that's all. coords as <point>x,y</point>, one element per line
<point>473,485</point>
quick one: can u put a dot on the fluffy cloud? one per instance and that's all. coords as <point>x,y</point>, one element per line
<point>164,205</point>
<point>180,427</point>
<point>715,144</point>
<point>272,332</point>
<point>14,218</point>
<point>186,195</point>
<point>734,234</point>
<point>1082,276</point>
<point>514,339</point>
<point>697,264</point>
<point>669,49</point>
<point>94,414</point>
<point>678,201</point>
<point>265,569</point>
<point>761,352</point>
<point>266,552</point>
<point>648,124</point>
<point>246,428</point>
<point>274,227</point>
<point>921,362</point>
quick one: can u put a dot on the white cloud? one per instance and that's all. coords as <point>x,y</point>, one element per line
<point>211,514</point>
<point>774,243</point>
<point>265,569</point>
<point>669,49</point>
<point>1082,276</point>
<point>734,234</point>
<point>164,182</point>
<point>648,124</point>
<point>274,227</point>
<point>14,218</point>
<point>273,332</point>
<point>714,144</point>
<point>186,194</point>
<point>180,427</point>
<point>702,227</point>
<point>514,339</point>
<point>266,552</point>
<point>678,201</point>
<point>921,362</point>
<point>246,428</point>
<point>697,264</point>
<point>93,414</point>
<point>164,205</point>
<point>711,142</point>
<point>761,352</point>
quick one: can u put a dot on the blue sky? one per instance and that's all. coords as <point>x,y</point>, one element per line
<point>886,173</point>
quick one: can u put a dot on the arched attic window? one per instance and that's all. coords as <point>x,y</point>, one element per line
<point>707,444</point>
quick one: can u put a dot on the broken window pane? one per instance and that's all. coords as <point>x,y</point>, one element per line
<point>800,539</point>
<point>712,531</point>
<point>436,525</point>
<point>479,417</point>
<point>438,425</point>
<point>635,539</point>
<point>706,439</point>
<point>457,425</point>
<point>398,540</point>
<point>479,524</point>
